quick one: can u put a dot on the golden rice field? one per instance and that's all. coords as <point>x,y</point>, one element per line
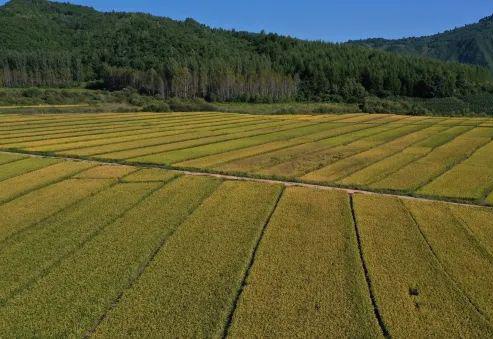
<point>444,158</point>
<point>110,244</point>
<point>96,250</point>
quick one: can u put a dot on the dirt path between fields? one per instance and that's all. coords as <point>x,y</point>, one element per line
<point>286,183</point>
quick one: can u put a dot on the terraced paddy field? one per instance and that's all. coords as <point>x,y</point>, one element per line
<point>89,249</point>
<point>434,157</point>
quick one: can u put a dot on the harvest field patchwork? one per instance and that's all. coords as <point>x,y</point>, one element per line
<point>162,178</point>
<point>435,157</point>
<point>120,250</point>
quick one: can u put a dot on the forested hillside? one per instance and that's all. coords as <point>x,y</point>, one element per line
<point>52,44</point>
<point>471,44</point>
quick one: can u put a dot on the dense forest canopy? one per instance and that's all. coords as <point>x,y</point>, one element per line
<point>471,44</point>
<point>54,44</point>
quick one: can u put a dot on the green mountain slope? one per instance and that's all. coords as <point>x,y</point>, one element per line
<point>54,44</point>
<point>471,44</point>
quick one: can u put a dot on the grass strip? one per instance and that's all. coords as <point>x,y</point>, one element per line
<point>413,292</point>
<point>72,297</point>
<point>307,280</point>
<point>201,266</point>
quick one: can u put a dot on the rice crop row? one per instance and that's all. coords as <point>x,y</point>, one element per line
<point>54,126</point>
<point>375,173</point>
<point>479,221</point>
<point>22,166</point>
<point>106,172</point>
<point>144,120</point>
<point>73,296</point>
<point>232,134</point>
<point>380,152</point>
<point>270,159</point>
<point>412,291</point>
<point>201,266</point>
<point>339,148</point>
<point>220,147</point>
<point>454,121</point>
<point>52,145</point>
<point>462,257</point>
<point>148,133</point>
<point>25,137</point>
<point>21,184</point>
<point>150,175</point>
<point>307,279</point>
<point>404,137</point>
<point>215,160</point>
<point>47,138</point>
<point>48,119</point>
<point>443,137</point>
<point>138,119</point>
<point>441,159</point>
<point>70,133</point>
<point>402,145</point>
<point>6,158</point>
<point>489,199</point>
<point>34,122</point>
<point>172,136</point>
<point>472,179</point>
<point>363,118</point>
<point>25,211</point>
<point>33,253</point>
<point>383,168</point>
<point>85,130</point>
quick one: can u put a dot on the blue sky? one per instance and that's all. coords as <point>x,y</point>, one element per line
<point>331,20</point>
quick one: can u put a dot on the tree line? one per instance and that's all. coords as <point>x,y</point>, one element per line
<point>76,46</point>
